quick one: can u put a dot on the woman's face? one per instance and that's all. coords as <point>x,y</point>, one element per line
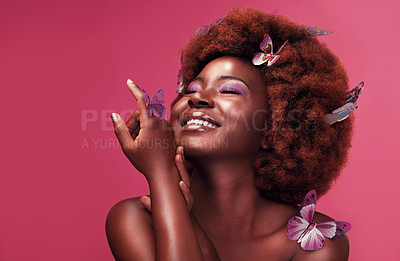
<point>222,111</point>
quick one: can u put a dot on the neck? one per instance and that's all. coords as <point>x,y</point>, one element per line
<point>226,197</point>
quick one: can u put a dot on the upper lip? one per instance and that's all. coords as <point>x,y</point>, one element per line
<point>198,115</point>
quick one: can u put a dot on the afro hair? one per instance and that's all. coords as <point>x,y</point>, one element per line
<point>306,83</point>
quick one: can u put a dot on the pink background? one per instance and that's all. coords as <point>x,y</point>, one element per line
<point>63,70</point>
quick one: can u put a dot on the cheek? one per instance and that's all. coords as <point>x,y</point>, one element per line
<point>176,110</point>
<point>249,117</point>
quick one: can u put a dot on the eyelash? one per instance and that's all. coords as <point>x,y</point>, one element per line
<point>192,88</point>
<point>233,88</point>
<point>228,88</point>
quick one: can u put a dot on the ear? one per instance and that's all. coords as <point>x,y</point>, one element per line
<point>265,142</point>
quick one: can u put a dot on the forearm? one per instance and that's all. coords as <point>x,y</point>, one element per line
<point>175,238</point>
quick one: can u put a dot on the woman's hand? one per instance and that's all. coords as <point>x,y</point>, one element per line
<point>184,184</point>
<point>146,140</point>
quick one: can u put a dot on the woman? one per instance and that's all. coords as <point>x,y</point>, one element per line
<point>252,138</point>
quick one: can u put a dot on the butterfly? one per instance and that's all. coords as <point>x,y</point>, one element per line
<point>267,55</point>
<point>179,83</point>
<point>205,28</point>
<point>315,31</point>
<point>349,106</point>
<point>155,105</point>
<point>309,234</point>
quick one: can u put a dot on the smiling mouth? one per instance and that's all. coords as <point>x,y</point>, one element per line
<point>199,120</point>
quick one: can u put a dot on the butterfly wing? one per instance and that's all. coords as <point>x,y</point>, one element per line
<point>158,96</point>
<point>328,228</point>
<point>203,29</point>
<point>260,58</point>
<point>307,207</point>
<point>266,44</point>
<point>296,227</point>
<point>159,110</point>
<point>342,227</point>
<point>179,83</point>
<point>315,31</point>
<point>148,103</point>
<point>273,59</point>
<point>146,97</point>
<point>352,95</point>
<point>313,240</point>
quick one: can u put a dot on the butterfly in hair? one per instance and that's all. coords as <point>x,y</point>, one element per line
<point>309,234</point>
<point>267,55</point>
<point>315,31</point>
<point>350,105</point>
<point>155,104</point>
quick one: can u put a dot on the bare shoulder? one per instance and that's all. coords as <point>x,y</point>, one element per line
<point>335,250</point>
<point>129,231</point>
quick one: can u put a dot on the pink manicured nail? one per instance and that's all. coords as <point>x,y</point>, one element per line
<point>129,81</point>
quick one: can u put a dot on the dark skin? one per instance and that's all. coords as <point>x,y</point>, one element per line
<point>218,214</point>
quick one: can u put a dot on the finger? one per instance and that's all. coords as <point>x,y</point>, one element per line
<point>121,131</point>
<point>146,202</point>
<point>138,94</point>
<point>186,194</point>
<point>133,124</point>
<point>180,164</point>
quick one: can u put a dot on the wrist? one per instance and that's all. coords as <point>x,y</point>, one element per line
<point>163,175</point>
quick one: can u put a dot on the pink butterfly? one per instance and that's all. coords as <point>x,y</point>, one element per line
<point>155,105</point>
<point>350,105</point>
<point>310,234</point>
<point>267,55</point>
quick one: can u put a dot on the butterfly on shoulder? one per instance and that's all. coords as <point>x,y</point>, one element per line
<point>267,54</point>
<point>310,234</point>
<point>155,105</point>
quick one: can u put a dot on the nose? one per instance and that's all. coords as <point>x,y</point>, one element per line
<point>201,99</point>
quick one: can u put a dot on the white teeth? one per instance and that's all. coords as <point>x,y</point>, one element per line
<point>201,122</point>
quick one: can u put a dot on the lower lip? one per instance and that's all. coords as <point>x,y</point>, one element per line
<point>195,127</point>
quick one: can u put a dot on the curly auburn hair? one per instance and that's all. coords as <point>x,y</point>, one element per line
<point>306,83</point>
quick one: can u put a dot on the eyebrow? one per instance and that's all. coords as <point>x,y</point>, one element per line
<point>223,77</point>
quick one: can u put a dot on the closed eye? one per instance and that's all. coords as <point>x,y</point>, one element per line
<point>192,88</point>
<point>232,88</point>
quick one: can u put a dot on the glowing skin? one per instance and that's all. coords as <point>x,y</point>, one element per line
<point>231,92</point>
<point>220,214</point>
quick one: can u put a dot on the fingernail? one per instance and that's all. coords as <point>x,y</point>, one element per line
<point>129,81</point>
<point>114,117</point>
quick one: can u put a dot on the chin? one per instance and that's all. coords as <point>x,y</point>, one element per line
<point>204,147</point>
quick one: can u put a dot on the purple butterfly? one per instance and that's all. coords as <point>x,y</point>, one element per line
<point>310,234</point>
<point>267,55</point>
<point>155,105</point>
